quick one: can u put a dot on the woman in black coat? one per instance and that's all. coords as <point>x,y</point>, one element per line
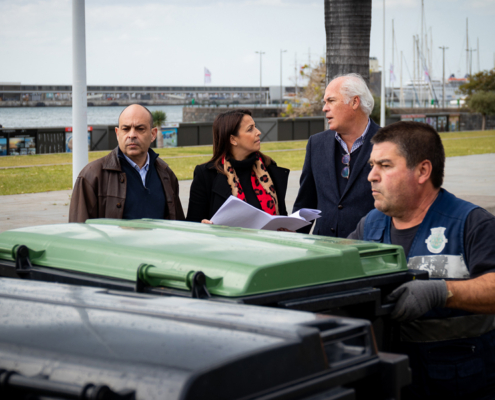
<point>237,168</point>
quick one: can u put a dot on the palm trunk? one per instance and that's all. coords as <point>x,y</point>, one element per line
<point>483,122</point>
<point>348,27</point>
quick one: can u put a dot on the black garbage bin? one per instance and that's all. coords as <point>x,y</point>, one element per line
<point>73,342</point>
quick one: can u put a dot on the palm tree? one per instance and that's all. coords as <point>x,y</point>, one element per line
<point>348,27</point>
<point>159,118</point>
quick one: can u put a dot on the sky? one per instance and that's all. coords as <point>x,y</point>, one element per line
<point>170,42</point>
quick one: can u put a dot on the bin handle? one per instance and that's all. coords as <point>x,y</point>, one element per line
<point>195,281</point>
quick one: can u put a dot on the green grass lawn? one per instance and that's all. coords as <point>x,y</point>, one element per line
<point>44,176</point>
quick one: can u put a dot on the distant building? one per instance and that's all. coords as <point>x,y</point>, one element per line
<point>374,65</point>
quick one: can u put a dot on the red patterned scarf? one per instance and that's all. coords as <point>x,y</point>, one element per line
<point>260,180</point>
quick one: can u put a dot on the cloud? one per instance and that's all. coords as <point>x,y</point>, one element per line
<point>483,6</point>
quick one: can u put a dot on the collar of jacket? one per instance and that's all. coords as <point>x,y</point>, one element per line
<point>266,160</point>
<point>112,161</point>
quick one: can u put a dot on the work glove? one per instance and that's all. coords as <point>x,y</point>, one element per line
<point>417,297</point>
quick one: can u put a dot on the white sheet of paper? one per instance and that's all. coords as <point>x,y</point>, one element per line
<point>281,221</point>
<point>238,213</point>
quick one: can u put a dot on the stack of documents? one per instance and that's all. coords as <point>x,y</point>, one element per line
<point>238,213</point>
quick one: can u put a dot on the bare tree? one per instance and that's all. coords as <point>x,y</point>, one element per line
<point>310,103</point>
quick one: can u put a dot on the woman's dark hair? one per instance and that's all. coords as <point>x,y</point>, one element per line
<point>416,142</point>
<point>225,124</point>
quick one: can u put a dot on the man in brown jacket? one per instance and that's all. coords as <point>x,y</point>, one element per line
<point>131,182</point>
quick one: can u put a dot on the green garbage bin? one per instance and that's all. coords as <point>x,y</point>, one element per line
<point>278,269</point>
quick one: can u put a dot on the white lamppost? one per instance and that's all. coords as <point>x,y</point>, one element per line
<point>443,76</point>
<point>281,87</point>
<point>79,90</point>
<point>261,72</point>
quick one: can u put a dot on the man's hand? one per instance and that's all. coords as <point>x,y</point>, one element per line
<point>417,297</point>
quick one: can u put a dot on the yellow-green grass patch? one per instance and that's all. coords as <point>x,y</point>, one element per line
<point>59,177</point>
<point>35,180</point>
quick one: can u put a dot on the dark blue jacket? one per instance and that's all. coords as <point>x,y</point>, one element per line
<point>318,189</point>
<point>438,246</point>
<point>450,351</point>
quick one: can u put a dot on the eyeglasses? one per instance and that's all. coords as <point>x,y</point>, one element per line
<point>346,159</point>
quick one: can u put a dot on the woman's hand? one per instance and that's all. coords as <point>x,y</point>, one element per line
<point>206,221</point>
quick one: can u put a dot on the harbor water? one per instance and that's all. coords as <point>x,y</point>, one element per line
<point>40,117</point>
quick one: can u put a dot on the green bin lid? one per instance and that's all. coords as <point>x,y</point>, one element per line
<point>236,262</point>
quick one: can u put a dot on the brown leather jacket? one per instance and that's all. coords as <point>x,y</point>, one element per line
<point>100,190</point>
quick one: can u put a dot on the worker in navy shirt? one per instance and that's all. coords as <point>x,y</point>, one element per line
<point>447,322</point>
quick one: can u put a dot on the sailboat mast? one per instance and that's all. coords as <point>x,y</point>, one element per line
<point>420,80</point>
<point>401,89</point>
<point>430,69</point>
<point>422,50</point>
<point>414,58</point>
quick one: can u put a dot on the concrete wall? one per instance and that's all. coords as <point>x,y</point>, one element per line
<point>272,130</point>
<point>467,121</point>
<point>208,114</point>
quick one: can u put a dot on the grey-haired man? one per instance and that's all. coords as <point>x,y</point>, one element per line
<point>335,171</point>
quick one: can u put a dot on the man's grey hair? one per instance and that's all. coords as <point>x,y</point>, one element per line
<point>355,85</point>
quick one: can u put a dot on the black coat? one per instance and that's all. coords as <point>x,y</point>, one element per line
<point>318,188</point>
<point>210,189</point>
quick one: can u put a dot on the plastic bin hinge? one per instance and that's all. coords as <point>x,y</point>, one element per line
<point>199,290</point>
<point>22,262</point>
<point>140,284</point>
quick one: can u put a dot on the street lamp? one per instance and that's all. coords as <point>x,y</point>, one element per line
<point>443,78</point>
<point>261,55</point>
<point>281,87</point>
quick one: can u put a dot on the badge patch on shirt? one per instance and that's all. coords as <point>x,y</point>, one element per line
<point>437,240</point>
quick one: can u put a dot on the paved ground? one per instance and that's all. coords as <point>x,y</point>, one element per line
<point>470,177</point>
